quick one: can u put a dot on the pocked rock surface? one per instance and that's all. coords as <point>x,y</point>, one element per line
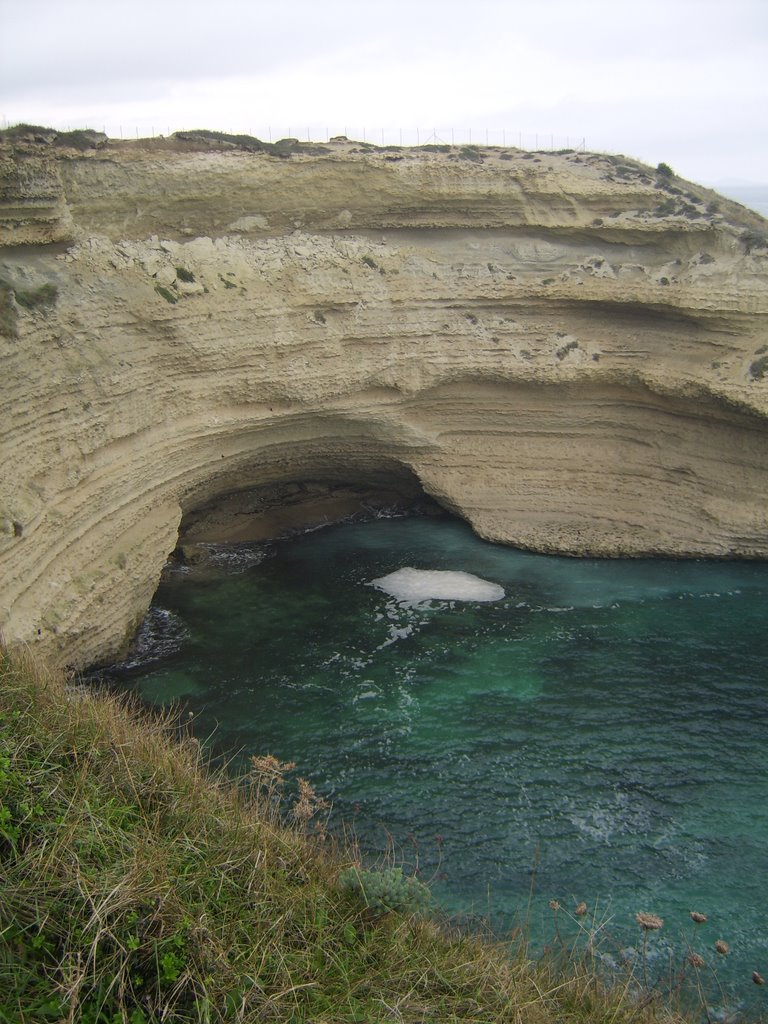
<point>567,350</point>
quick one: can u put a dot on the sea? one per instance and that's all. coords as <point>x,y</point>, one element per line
<point>579,732</point>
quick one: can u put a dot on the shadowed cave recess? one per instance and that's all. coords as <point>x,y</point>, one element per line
<point>322,493</point>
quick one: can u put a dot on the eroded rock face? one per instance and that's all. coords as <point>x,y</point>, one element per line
<point>565,352</point>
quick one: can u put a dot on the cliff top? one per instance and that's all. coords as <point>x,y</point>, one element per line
<point>59,187</point>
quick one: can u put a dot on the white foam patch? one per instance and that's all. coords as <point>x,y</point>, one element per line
<point>415,585</point>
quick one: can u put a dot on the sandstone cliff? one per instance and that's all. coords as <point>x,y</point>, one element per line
<point>568,350</point>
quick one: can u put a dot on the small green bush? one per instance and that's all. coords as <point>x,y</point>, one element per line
<point>184,275</point>
<point>167,294</point>
<point>665,171</point>
<point>569,346</point>
<point>754,240</point>
<point>33,299</point>
<point>387,890</point>
<point>37,298</point>
<point>81,138</point>
<point>370,262</point>
<point>667,208</point>
<point>759,368</point>
<point>7,311</point>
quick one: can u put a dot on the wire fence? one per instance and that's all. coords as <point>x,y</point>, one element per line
<point>366,134</point>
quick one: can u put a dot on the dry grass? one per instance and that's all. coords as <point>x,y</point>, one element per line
<point>139,886</point>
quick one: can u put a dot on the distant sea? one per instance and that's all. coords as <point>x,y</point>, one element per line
<point>753,196</point>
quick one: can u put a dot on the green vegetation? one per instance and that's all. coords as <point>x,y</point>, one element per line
<point>140,886</point>
<point>80,138</point>
<point>40,299</point>
<point>167,294</point>
<point>184,275</point>
<point>759,368</point>
<point>569,346</point>
<point>386,890</point>
<point>754,240</point>
<point>665,171</point>
<point>249,143</point>
<point>370,262</point>
<point>7,311</point>
<point>43,297</point>
<point>666,209</point>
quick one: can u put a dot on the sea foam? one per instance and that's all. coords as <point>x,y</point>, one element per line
<point>415,585</point>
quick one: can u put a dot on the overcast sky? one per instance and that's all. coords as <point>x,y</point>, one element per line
<point>683,81</point>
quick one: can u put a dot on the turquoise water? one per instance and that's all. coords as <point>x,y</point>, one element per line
<point>599,734</point>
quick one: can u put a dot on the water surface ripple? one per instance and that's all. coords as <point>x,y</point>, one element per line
<point>605,721</point>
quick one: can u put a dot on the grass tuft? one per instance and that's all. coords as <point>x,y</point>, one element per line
<point>141,886</point>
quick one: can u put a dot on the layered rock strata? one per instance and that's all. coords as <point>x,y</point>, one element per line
<point>569,351</point>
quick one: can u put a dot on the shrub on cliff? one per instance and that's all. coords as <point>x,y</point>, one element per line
<point>39,299</point>
<point>8,326</point>
<point>79,138</point>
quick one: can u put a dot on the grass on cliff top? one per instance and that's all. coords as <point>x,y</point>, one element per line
<point>139,886</point>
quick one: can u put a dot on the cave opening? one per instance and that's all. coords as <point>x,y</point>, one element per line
<point>275,502</point>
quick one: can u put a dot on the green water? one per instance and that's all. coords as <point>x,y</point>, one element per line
<point>598,734</point>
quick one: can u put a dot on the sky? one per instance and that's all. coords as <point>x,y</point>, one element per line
<point>679,81</point>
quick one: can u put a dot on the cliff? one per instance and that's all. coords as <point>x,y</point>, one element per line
<point>568,350</point>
